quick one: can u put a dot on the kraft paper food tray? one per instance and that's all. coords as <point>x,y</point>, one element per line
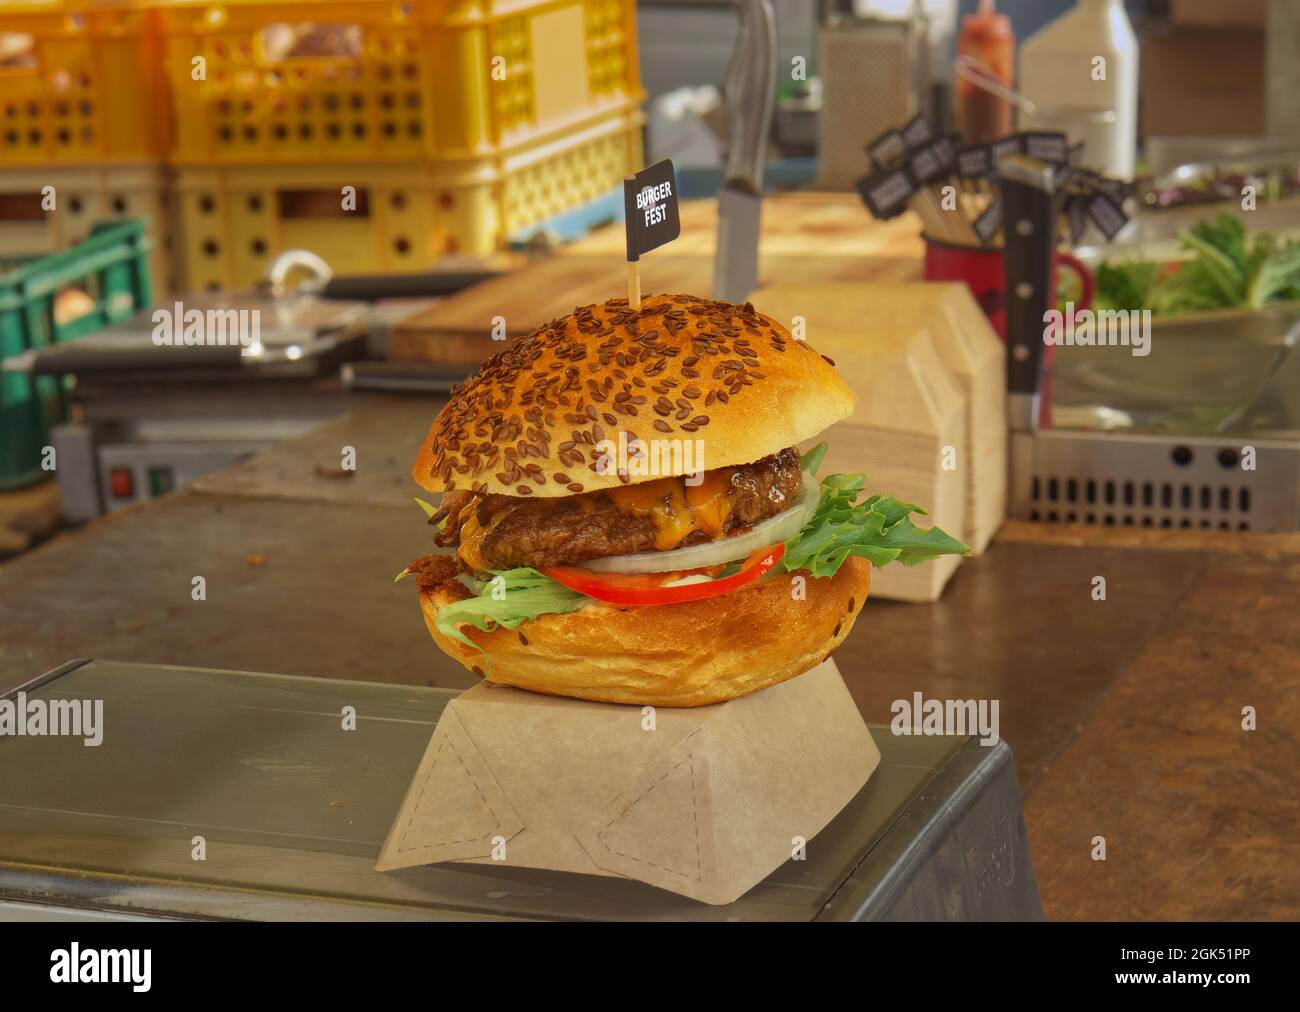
<point>705,801</point>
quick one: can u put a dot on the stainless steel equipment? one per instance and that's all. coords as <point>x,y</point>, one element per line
<point>1136,479</point>
<point>748,99</point>
<point>295,813</point>
<point>149,418</point>
<point>153,412</point>
<point>1202,431</point>
<point>875,75</point>
<point>140,438</point>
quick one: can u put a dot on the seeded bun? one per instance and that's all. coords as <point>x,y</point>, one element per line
<point>679,368</point>
<point>670,655</point>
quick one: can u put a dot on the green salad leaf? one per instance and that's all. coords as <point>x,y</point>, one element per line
<point>508,598</point>
<point>1126,285</point>
<point>1275,277</point>
<point>1220,265</point>
<point>878,529</point>
<point>1231,269</point>
<point>812,460</point>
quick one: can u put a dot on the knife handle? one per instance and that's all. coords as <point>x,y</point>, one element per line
<point>1028,198</point>
<point>749,95</point>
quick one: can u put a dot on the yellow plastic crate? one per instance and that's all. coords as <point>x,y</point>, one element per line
<point>391,80</point>
<point>81,82</point>
<point>83,196</point>
<point>234,220</point>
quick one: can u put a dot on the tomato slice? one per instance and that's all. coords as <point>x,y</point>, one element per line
<point>648,589</point>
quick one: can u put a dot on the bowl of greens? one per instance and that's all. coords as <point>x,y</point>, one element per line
<point>1225,268</point>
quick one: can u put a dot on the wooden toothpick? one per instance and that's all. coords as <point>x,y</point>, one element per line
<point>634,284</point>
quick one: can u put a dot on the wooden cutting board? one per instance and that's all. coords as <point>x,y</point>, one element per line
<point>921,410</point>
<point>806,238</point>
<point>793,224</point>
<point>855,323</point>
<point>908,433</point>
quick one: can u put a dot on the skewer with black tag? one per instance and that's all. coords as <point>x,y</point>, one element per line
<point>651,218</point>
<point>922,158</point>
<point>925,163</point>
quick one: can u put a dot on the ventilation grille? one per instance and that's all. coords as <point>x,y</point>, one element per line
<point>1117,502</point>
<point>1145,480</point>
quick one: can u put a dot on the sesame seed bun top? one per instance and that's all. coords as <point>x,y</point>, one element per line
<point>537,418</point>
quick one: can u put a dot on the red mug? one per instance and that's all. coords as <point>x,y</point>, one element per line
<point>981,268</point>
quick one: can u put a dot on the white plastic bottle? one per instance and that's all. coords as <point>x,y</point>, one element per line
<point>1081,72</point>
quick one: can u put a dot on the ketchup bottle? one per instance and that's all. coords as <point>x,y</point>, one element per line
<point>987,37</point>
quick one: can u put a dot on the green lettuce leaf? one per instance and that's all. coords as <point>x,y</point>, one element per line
<point>429,508</point>
<point>507,598</point>
<point>812,460</point>
<point>878,529</point>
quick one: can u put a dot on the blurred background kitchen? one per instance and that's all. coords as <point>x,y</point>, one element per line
<point>221,137</point>
<point>393,190</point>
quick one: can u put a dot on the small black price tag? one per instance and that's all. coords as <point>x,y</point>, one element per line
<point>975,161</point>
<point>887,149</point>
<point>989,221</point>
<point>917,131</point>
<point>1046,146</point>
<point>886,192</point>
<point>1006,146</point>
<point>650,209</point>
<point>925,164</point>
<point>1106,214</point>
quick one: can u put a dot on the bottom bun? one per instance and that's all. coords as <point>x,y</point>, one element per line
<point>669,655</point>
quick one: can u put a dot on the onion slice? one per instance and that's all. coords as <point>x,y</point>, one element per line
<point>781,527</point>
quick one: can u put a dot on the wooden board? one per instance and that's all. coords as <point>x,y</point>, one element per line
<point>842,320</point>
<point>806,238</point>
<point>910,410</point>
<point>461,328</point>
<point>793,224</point>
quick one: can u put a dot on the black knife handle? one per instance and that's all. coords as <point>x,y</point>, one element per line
<point>1028,201</point>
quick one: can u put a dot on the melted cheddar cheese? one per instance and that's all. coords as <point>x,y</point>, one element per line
<point>677,509</point>
<point>472,534</point>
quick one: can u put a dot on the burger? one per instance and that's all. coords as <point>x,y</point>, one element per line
<point>627,515</point>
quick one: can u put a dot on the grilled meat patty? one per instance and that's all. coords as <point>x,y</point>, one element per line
<point>503,532</point>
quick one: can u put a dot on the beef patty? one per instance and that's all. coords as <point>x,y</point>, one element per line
<point>503,532</point>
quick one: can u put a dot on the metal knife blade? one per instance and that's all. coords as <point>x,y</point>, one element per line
<point>748,100</point>
<point>735,271</point>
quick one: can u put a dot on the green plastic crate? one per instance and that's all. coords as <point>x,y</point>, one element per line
<point>111,265</point>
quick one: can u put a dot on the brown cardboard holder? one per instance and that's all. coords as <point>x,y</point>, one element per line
<point>705,801</point>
